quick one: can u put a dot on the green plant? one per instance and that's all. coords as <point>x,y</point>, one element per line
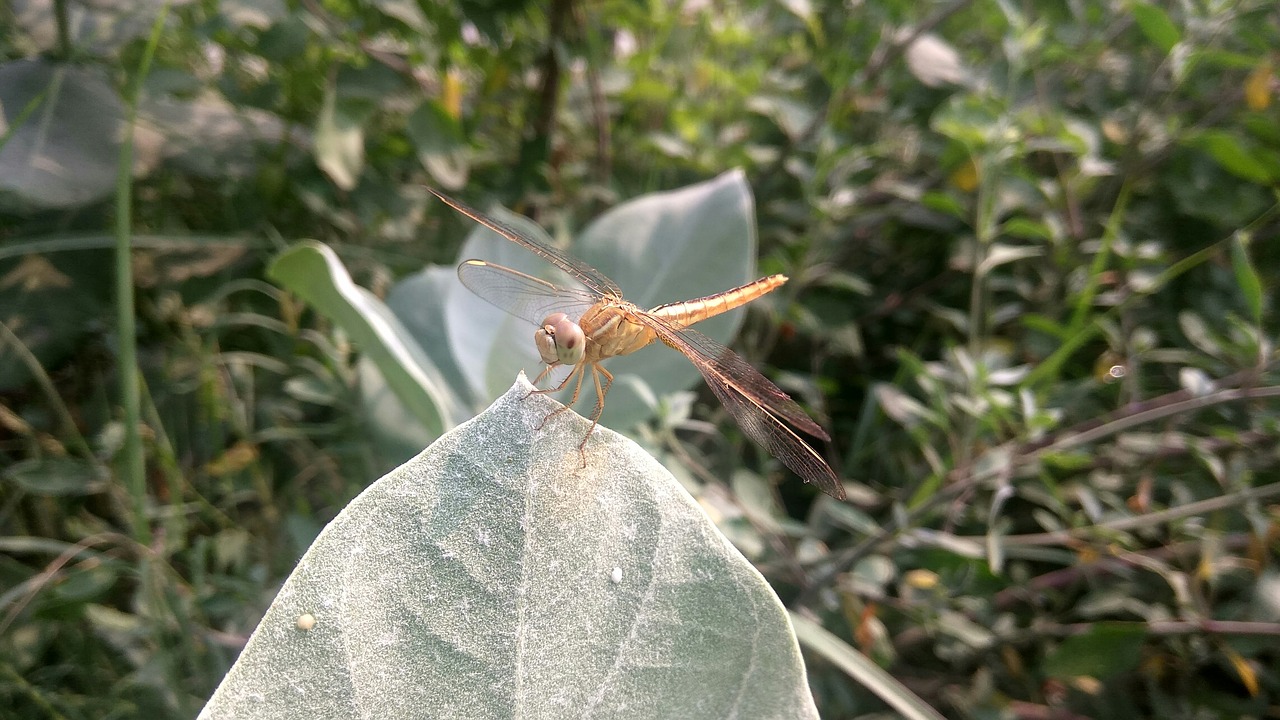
<point>1032,258</point>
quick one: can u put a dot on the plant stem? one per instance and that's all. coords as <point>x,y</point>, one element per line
<point>134,462</point>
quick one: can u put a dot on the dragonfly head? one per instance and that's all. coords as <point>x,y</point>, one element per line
<point>560,341</point>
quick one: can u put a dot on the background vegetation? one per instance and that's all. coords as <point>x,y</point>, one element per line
<point>1033,251</point>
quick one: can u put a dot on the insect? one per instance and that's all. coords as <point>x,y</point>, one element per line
<point>582,327</point>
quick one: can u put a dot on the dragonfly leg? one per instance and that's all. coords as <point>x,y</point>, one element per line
<point>596,372</point>
<point>578,370</point>
<point>545,372</point>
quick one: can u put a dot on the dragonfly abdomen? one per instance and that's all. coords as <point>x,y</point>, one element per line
<point>684,314</point>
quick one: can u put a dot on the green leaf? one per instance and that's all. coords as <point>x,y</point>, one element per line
<point>1000,254</point>
<point>438,140</point>
<point>57,476</point>
<point>1247,277</point>
<point>418,301</point>
<point>793,118</point>
<point>1026,229</point>
<point>285,40</point>
<point>59,134</point>
<point>339,141</point>
<point>871,676</point>
<point>1156,25</point>
<point>493,576</point>
<point>1230,153</point>
<point>1044,324</point>
<point>944,202</point>
<point>407,12</point>
<point>1104,650</point>
<point>314,272</point>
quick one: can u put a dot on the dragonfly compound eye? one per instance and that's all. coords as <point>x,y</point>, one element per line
<point>560,340</point>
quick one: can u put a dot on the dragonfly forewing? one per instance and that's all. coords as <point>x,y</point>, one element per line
<point>590,277</point>
<point>523,295</point>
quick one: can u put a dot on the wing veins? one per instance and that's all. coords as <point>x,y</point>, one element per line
<point>580,271</point>
<point>726,374</point>
<point>736,373</point>
<point>525,296</point>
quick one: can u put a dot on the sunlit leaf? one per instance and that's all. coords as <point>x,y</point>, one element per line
<point>407,12</point>
<point>934,62</point>
<point>1000,254</point>
<point>792,117</point>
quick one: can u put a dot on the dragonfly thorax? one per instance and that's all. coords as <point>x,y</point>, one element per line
<point>560,341</point>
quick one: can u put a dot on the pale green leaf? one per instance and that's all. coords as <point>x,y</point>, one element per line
<point>314,272</point>
<point>57,476</point>
<point>60,129</point>
<point>493,576</point>
<point>438,140</point>
<point>339,142</point>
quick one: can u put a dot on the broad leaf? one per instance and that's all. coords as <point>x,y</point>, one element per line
<point>438,139</point>
<point>339,141</point>
<point>493,576</point>
<point>315,273</point>
<point>60,129</point>
<point>57,476</point>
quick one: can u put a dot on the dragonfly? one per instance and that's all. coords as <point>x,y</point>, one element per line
<point>582,327</point>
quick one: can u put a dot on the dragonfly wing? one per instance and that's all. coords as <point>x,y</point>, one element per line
<point>756,404</point>
<point>578,270</point>
<point>729,367</point>
<point>524,296</point>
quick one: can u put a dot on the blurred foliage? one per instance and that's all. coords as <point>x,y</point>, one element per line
<point>1033,252</point>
